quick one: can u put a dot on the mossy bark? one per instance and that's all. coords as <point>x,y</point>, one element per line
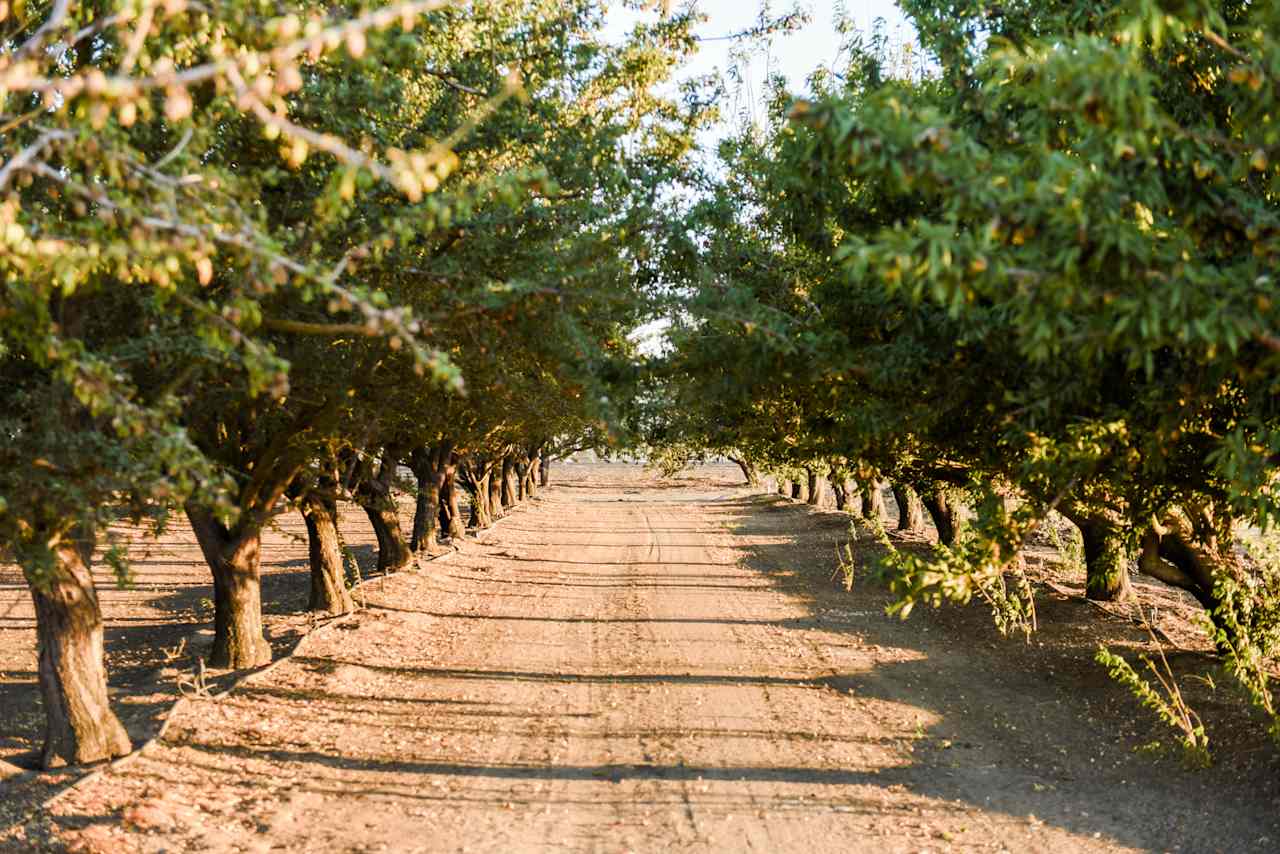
<point>1106,559</point>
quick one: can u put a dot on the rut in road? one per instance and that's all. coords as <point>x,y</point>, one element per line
<point>624,665</point>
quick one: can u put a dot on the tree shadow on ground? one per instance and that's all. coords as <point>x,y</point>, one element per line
<point>1048,733</point>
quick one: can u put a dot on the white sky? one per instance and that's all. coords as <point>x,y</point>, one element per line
<point>795,54</point>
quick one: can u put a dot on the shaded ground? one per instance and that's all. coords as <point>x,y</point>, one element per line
<point>633,665</point>
<point>154,628</point>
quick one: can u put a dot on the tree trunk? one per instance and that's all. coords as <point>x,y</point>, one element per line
<point>481,514</point>
<point>451,514</point>
<point>544,473</point>
<point>1189,553</point>
<point>79,724</point>
<point>1106,560</point>
<point>1106,563</point>
<point>495,492</point>
<point>535,466</point>
<point>522,478</point>
<point>375,496</point>
<point>329,592</point>
<point>510,497</point>
<point>748,471</point>
<point>797,490</point>
<point>873,501</point>
<point>943,512</point>
<point>233,555</point>
<point>815,488</point>
<point>910,513</point>
<point>428,467</point>
<point>838,490</point>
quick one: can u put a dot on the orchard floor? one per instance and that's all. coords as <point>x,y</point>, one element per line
<point>635,664</point>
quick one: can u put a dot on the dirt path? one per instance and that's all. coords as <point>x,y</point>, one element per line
<point>627,666</point>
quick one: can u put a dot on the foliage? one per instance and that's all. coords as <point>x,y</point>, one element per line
<point>1037,267</point>
<point>1167,701</point>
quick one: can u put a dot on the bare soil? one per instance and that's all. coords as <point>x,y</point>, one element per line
<point>631,664</point>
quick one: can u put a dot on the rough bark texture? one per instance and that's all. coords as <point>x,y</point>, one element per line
<point>375,496</point>
<point>233,555</point>
<point>910,512</point>
<point>872,501</point>
<point>544,473</point>
<point>79,724</point>
<point>329,592</point>
<point>943,513</point>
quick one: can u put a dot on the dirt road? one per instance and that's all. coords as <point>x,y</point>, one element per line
<point>628,665</point>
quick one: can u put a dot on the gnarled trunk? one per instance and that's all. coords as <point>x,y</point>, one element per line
<point>1189,551</point>
<point>481,514</point>
<point>233,555</point>
<point>79,724</point>
<point>374,495</point>
<point>872,501</point>
<point>475,475</point>
<point>329,592</point>
<point>910,513</point>
<point>944,513</point>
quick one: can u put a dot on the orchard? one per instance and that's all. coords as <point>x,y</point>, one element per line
<point>269,258</point>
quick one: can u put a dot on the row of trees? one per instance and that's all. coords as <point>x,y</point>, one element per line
<point>259,257</point>
<point>1038,276</point>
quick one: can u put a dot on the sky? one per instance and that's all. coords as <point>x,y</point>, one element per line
<point>794,54</point>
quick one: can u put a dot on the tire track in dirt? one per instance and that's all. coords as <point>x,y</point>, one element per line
<point>618,667</point>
